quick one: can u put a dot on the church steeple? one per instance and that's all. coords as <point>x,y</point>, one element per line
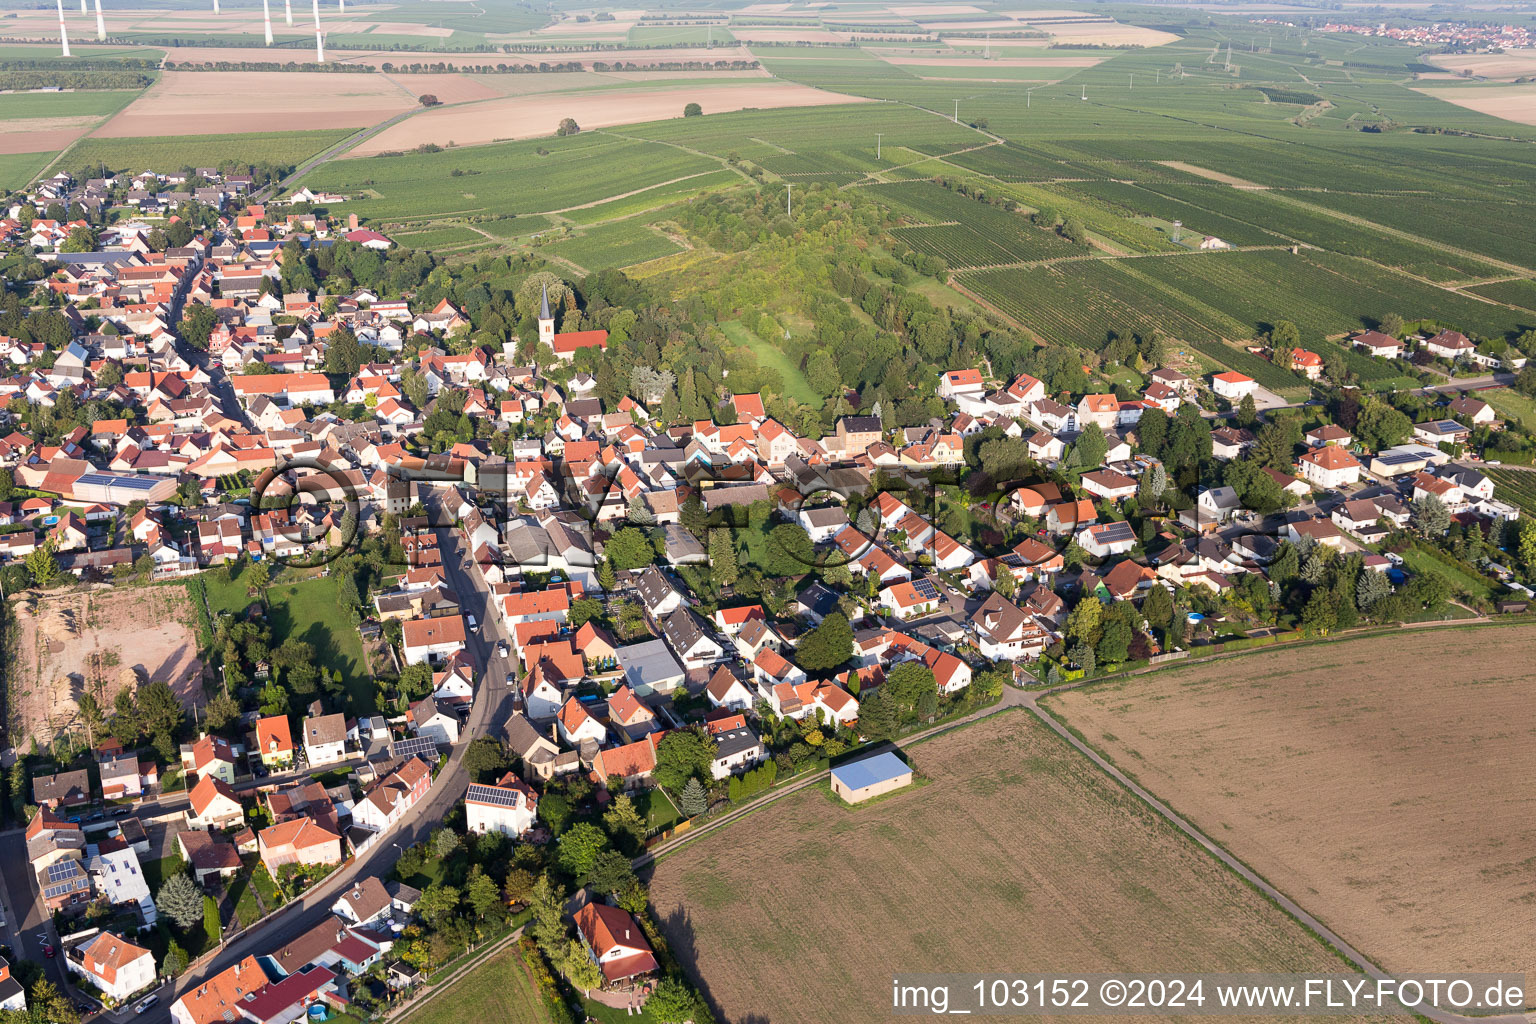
<point>546,321</point>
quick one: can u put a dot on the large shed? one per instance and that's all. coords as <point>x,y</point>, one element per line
<point>869,777</point>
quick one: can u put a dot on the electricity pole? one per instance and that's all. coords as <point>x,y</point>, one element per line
<point>789,199</point>
<point>957,111</point>
<point>877,144</point>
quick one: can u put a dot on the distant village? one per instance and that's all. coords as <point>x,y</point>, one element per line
<point>582,567</point>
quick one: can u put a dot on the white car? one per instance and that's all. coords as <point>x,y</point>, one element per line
<point>145,1003</point>
<point>472,621</point>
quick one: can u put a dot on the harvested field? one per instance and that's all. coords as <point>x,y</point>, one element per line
<point>1077,60</point>
<point>1511,102</point>
<point>97,642</point>
<point>377,58</point>
<point>1510,64</point>
<point>1345,773</point>
<point>1107,34</point>
<point>1018,855</point>
<point>207,102</point>
<point>536,116</point>
<point>447,88</point>
<point>31,134</point>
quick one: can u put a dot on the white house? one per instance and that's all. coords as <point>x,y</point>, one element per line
<point>113,965</point>
<point>436,720</point>
<point>509,807</point>
<point>1104,539</point>
<point>954,383</point>
<point>1329,466</point>
<point>1233,386</point>
<point>1004,632</point>
<point>433,640</point>
<point>325,739</point>
<point>576,725</point>
<point>12,995</point>
<point>725,690</point>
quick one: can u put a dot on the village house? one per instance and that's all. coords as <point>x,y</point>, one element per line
<point>113,965</point>
<point>508,807</point>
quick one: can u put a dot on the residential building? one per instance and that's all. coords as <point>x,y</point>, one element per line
<point>274,741</point>
<point>615,941</point>
<point>325,739</point>
<point>113,965</point>
<point>1328,467</point>
<point>508,807</point>
<point>214,805</point>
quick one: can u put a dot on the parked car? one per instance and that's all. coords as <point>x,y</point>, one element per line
<point>145,1003</point>
<point>49,951</point>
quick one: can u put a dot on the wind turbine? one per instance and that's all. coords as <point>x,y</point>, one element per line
<point>266,17</point>
<point>288,12</point>
<point>63,33</point>
<point>101,24</point>
<point>319,39</point>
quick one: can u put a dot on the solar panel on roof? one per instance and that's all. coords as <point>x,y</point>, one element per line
<point>925,589</point>
<point>415,746</point>
<point>495,796</point>
<point>1114,531</point>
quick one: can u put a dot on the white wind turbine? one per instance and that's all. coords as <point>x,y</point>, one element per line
<point>63,33</point>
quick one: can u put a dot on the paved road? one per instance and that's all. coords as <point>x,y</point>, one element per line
<point>489,715</point>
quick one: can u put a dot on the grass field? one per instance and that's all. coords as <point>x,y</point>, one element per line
<point>306,610</point>
<point>1017,852</point>
<point>1344,781</point>
<point>507,178</point>
<point>500,989</point>
<point>65,104</point>
<point>770,355</point>
<point>16,169</point>
<point>175,152</point>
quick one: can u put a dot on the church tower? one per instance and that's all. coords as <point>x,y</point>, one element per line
<point>546,321</point>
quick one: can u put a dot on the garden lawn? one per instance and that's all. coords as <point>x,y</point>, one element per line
<point>500,990</point>
<point>659,810</point>
<point>309,611</point>
<point>1418,560</point>
<point>1512,406</point>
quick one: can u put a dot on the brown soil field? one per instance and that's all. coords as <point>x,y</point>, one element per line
<point>1385,784</point>
<point>1077,60</point>
<point>1017,856</point>
<point>36,134</point>
<point>1511,102</point>
<point>208,102</point>
<point>447,88</point>
<point>376,58</point>
<point>1510,64</point>
<point>929,10</point>
<point>85,642</point>
<point>529,117</point>
<point>1108,35</point>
